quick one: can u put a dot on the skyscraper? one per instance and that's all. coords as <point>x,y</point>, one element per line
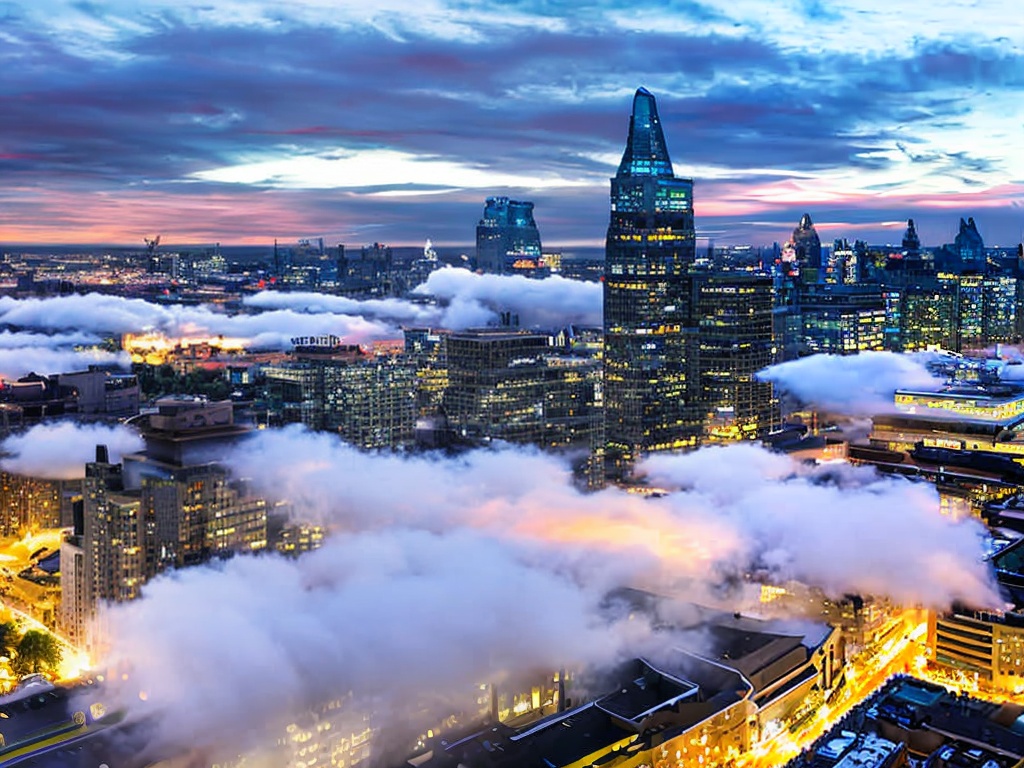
<point>506,234</point>
<point>651,382</point>
<point>970,246</point>
<point>808,249</point>
<point>736,342</point>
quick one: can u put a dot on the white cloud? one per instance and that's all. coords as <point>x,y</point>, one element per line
<point>853,385</point>
<point>98,314</point>
<point>552,302</point>
<point>377,168</point>
<point>60,450</point>
<point>445,573</point>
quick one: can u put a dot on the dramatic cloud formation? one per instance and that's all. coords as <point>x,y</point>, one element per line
<point>98,314</point>
<point>552,302</point>
<point>443,573</point>
<point>60,450</point>
<point>401,619</point>
<point>390,122</point>
<point>19,361</point>
<point>853,385</point>
<point>740,507</point>
<point>467,300</point>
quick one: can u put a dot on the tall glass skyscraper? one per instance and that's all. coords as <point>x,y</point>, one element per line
<point>652,385</point>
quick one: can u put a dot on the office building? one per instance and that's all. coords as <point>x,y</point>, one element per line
<point>840,319</point>
<point>969,246</point>
<point>510,385</point>
<point>427,349</point>
<point>369,400</point>
<point>367,274</point>
<point>100,391</point>
<point>507,239</point>
<point>736,341</point>
<point>807,249</point>
<point>986,645</point>
<point>192,509</point>
<point>651,384</point>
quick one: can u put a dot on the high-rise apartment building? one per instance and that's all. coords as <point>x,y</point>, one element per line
<point>192,510</point>
<point>652,384</point>
<point>104,559</point>
<point>506,234</point>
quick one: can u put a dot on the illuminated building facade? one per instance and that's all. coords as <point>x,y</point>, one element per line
<point>192,510</point>
<point>958,419</point>
<point>368,274</point>
<point>652,388</point>
<point>507,235</point>
<point>927,318</point>
<point>106,559</point>
<point>841,319</point>
<point>509,385</point>
<point>426,347</point>
<point>31,504</point>
<point>369,401</point>
<point>987,645</point>
<point>736,341</point>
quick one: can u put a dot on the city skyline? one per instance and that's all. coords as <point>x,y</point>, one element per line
<point>239,122</point>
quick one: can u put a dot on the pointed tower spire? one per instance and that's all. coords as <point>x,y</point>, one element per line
<point>646,153</point>
<point>911,240</point>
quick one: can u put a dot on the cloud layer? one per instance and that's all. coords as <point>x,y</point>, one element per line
<point>60,450</point>
<point>444,573</point>
<point>852,385</point>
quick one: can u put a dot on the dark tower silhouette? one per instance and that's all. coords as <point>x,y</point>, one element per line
<point>651,384</point>
<point>808,248</point>
<point>970,246</point>
<point>911,242</point>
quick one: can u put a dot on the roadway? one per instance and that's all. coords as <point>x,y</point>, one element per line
<point>863,678</point>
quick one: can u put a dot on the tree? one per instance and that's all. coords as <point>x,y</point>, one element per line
<point>8,638</point>
<point>36,651</point>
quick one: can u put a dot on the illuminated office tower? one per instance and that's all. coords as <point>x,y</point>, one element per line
<point>509,385</point>
<point>368,400</point>
<point>736,342</point>
<point>651,383</point>
<point>506,235</point>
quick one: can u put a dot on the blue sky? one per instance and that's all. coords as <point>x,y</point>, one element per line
<point>244,120</point>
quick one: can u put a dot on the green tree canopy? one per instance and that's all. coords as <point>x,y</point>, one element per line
<point>37,651</point>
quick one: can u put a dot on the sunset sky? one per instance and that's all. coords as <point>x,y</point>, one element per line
<point>243,120</point>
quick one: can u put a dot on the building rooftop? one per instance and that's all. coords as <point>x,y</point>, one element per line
<point>646,691</point>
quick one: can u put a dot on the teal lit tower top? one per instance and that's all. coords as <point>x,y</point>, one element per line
<point>645,154</point>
